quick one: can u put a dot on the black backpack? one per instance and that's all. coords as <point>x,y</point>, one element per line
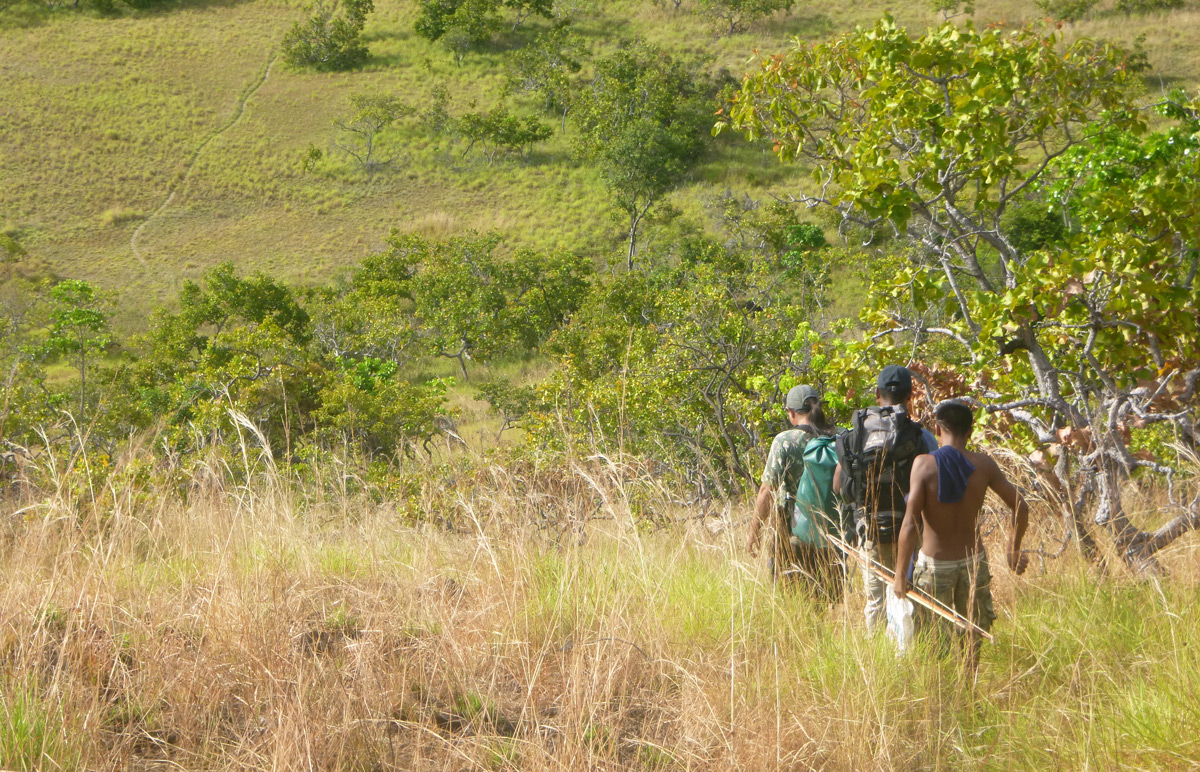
<point>876,456</point>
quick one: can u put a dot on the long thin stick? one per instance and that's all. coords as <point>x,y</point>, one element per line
<point>915,594</point>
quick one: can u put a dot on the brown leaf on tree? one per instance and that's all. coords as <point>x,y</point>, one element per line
<point>1076,439</point>
<point>1075,287</point>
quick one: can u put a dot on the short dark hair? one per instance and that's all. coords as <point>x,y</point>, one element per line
<point>895,395</point>
<point>955,417</point>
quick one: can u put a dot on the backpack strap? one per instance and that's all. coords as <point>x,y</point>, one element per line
<point>849,449</point>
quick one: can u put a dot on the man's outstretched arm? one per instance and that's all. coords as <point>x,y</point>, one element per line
<point>910,536</point>
<point>1009,494</point>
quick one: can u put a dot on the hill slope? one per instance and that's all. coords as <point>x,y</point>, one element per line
<point>168,125</point>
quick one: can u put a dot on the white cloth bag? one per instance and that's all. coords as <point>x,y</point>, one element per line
<point>899,619</point>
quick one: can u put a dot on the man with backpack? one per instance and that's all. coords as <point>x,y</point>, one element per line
<point>875,460</point>
<point>796,498</point>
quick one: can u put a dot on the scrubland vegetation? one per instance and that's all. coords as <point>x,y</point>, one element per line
<point>382,384</point>
<point>566,613</point>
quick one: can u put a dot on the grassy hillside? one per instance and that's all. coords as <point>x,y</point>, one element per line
<point>545,625</point>
<point>181,127</point>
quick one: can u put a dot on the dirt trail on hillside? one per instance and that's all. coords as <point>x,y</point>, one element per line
<point>175,187</point>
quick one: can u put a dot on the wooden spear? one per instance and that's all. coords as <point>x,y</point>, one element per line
<point>915,594</point>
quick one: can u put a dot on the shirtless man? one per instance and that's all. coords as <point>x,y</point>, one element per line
<point>946,493</point>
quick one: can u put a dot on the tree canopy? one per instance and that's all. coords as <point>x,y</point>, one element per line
<point>639,121</point>
<point>1079,335</point>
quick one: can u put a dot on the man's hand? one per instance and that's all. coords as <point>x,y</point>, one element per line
<point>900,585</point>
<point>752,541</point>
<point>1017,560</point>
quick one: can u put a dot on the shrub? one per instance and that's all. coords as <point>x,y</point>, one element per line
<point>360,132</point>
<point>458,24</point>
<point>1132,7</point>
<point>331,39</point>
<point>806,236</point>
<point>1067,9</point>
<point>951,8</point>
<point>10,247</point>
<point>497,131</point>
<point>729,16</point>
<point>118,215</point>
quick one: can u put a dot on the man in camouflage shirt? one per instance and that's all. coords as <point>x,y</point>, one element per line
<point>780,477</point>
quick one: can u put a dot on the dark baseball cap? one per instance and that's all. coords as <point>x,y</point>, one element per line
<point>895,378</point>
<point>798,395</point>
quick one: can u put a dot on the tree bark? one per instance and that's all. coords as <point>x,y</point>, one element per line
<point>1128,539</point>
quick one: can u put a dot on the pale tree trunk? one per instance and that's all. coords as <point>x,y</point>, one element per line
<point>635,221</point>
<point>1100,476</point>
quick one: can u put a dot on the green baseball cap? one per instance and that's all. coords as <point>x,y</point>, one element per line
<point>798,395</point>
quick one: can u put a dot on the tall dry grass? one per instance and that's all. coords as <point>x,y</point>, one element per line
<point>563,614</point>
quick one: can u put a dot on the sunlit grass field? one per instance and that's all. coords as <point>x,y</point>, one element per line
<point>565,615</point>
<point>104,118</point>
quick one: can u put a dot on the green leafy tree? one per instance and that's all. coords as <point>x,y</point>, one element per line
<point>935,139</point>
<point>732,15</point>
<point>25,402</point>
<point>1132,7</point>
<point>78,328</point>
<point>459,24</point>
<point>526,9</point>
<point>434,17</point>
<point>638,122</point>
<point>496,130</point>
<point>514,403</point>
<point>366,406</point>
<point>680,363</point>
<point>436,116</point>
<point>373,114</point>
<point>1068,10</point>
<point>464,302</point>
<point>331,38</point>
<point>547,68</point>
<point>951,8</point>
<point>236,343</point>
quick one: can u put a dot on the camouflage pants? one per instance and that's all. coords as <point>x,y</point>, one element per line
<point>885,555</point>
<point>963,585</point>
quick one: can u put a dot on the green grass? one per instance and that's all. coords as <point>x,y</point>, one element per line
<point>268,625</point>
<point>103,116</point>
<point>33,733</point>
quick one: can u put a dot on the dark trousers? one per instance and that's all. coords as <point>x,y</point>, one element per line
<point>817,571</point>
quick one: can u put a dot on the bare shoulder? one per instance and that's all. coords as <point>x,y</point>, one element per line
<point>989,467</point>
<point>923,464</point>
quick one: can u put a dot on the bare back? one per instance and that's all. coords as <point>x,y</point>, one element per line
<point>949,529</point>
